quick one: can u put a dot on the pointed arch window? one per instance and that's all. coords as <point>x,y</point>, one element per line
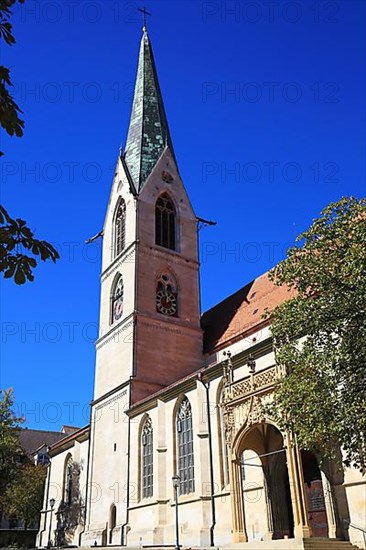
<point>147,465</point>
<point>185,452</point>
<point>165,222</point>
<point>68,481</point>
<point>167,295</point>
<point>119,228</point>
<point>117,300</point>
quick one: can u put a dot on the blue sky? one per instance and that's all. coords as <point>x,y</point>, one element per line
<point>266,106</point>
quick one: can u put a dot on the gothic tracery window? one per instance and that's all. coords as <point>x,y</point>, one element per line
<point>185,448</point>
<point>147,459</point>
<point>117,300</point>
<point>119,228</point>
<point>68,482</point>
<point>167,295</point>
<point>165,221</point>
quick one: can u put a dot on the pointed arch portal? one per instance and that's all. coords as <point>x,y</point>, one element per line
<point>277,490</point>
<point>263,505</point>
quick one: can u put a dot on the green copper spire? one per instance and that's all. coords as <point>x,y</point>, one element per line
<point>148,132</point>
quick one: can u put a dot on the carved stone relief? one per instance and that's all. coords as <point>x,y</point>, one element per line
<point>243,402</point>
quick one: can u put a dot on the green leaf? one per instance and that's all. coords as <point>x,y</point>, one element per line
<point>323,396</point>
<point>19,276</point>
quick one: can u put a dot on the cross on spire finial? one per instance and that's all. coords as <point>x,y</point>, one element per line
<point>145,13</point>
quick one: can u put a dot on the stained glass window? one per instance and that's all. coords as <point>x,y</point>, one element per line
<point>185,448</point>
<point>147,459</point>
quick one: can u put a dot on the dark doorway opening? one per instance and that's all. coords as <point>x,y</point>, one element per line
<point>317,514</point>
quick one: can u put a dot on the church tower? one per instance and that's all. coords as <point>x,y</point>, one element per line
<point>150,317</point>
<point>150,333</point>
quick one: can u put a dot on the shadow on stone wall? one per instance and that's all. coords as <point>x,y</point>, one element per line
<point>70,515</point>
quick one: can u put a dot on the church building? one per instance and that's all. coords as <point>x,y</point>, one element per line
<point>178,399</point>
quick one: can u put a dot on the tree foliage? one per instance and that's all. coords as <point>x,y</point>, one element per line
<point>24,496</point>
<point>9,438</point>
<point>9,111</point>
<point>19,249</point>
<point>15,236</point>
<point>320,335</point>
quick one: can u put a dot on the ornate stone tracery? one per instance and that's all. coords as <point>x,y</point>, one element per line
<point>244,414</point>
<point>243,401</point>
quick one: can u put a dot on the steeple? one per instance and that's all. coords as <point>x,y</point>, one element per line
<point>148,131</point>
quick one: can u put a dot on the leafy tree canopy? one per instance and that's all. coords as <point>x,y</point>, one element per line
<point>19,249</point>
<point>24,496</point>
<point>320,335</point>
<point>9,438</point>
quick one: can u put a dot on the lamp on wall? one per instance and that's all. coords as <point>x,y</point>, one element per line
<point>52,505</point>
<point>176,482</point>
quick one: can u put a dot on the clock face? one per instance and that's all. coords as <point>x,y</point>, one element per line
<point>166,302</point>
<point>118,309</point>
<point>118,301</point>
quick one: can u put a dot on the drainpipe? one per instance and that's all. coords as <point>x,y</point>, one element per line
<point>47,495</point>
<point>213,509</point>
<point>199,271</point>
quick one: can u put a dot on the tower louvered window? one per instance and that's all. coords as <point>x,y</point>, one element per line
<point>147,459</point>
<point>165,220</point>
<point>120,228</point>
<point>185,448</point>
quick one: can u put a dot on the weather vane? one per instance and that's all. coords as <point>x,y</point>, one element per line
<point>145,13</point>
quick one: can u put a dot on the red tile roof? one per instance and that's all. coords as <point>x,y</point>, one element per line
<point>70,437</point>
<point>242,312</point>
<point>31,440</point>
<point>233,318</point>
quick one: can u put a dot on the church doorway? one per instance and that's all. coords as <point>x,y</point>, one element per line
<point>264,483</point>
<point>316,507</point>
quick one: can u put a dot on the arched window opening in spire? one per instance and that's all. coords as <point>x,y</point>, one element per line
<point>119,228</point>
<point>147,470</point>
<point>117,300</point>
<point>185,453</point>
<point>167,295</point>
<point>165,222</point>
